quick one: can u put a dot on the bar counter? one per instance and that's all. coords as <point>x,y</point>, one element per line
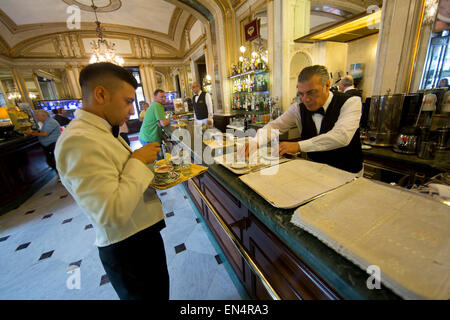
<point>23,171</point>
<point>296,264</point>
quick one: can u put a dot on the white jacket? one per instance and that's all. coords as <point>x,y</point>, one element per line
<point>109,186</point>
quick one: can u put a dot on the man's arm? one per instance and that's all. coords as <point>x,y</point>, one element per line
<point>107,195</point>
<point>342,132</point>
<point>283,123</point>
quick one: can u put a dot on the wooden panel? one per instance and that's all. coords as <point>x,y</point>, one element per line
<point>195,197</point>
<point>22,165</point>
<point>226,244</point>
<point>290,277</point>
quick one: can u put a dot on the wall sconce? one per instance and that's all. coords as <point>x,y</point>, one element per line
<point>14,96</point>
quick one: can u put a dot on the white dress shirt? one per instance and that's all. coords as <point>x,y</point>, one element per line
<point>338,137</point>
<point>110,187</point>
<point>349,88</point>
<point>209,105</point>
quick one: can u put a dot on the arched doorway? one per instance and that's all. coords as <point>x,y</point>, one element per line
<point>299,61</point>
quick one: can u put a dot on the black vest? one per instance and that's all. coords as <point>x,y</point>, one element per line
<point>347,158</point>
<point>200,107</point>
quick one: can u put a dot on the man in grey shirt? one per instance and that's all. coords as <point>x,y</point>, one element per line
<point>47,135</point>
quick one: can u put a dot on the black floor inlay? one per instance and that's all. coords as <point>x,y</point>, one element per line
<point>64,196</point>
<point>170,214</point>
<point>67,221</point>
<point>185,197</point>
<point>4,238</point>
<point>104,279</point>
<point>23,246</point>
<point>46,255</point>
<point>76,263</point>
<point>179,248</point>
<point>47,216</point>
<point>197,219</point>
<point>30,211</point>
<point>219,261</point>
<point>89,226</point>
<point>163,194</point>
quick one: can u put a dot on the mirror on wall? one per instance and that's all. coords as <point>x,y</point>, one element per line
<point>8,90</point>
<point>432,62</point>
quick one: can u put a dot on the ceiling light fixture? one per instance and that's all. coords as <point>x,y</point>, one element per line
<point>363,22</point>
<point>103,51</point>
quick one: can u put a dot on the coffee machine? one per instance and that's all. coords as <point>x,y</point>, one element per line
<point>384,119</point>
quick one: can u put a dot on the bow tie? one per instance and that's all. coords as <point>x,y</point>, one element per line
<point>321,111</point>
<point>115,131</point>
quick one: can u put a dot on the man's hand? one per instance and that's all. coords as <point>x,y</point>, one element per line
<point>288,147</point>
<point>147,154</point>
<point>245,150</point>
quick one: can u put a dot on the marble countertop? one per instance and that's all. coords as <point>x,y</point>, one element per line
<point>344,276</point>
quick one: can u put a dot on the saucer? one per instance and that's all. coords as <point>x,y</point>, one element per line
<point>162,182</point>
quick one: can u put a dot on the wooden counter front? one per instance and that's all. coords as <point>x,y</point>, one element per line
<point>23,171</point>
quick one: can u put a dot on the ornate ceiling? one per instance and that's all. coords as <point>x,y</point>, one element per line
<point>150,29</point>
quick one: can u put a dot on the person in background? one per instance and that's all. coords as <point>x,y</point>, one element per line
<point>443,83</point>
<point>145,106</point>
<point>328,123</point>
<point>154,120</point>
<point>59,115</point>
<point>47,135</point>
<point>203,107</point>
<point>346,85</point>
<point>110,183</point>
<point>123,132</point>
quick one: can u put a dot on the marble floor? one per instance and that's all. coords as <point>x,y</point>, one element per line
<point>47,252</point>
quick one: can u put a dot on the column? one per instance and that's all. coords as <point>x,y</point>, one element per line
<point>396,49</point>
<point>145,82</point>
<point>36,83</point>
<point>21,85</point>
<point>287,20</point>
<point>73,82</point>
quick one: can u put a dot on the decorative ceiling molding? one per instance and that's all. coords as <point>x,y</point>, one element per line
<point>112,6</point>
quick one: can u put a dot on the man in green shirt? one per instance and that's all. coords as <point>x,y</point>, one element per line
<point>154,120</point>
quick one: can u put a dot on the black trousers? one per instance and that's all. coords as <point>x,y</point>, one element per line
<point>50,155</point>
<point>137,267</point>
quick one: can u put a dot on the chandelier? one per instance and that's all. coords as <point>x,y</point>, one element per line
<point>103,51</point>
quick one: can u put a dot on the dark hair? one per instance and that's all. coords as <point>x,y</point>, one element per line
<point>308,72</point>
<point>101,73</point>
<point>55,111</point>
<point>157,91</point>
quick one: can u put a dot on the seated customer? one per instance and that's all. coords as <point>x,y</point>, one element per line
<point>59,115</point>
<point>49,133</point>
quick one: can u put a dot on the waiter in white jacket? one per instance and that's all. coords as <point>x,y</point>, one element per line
<point>110,184</point>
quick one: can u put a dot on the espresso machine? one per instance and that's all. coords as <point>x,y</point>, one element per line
<point>384,119</point>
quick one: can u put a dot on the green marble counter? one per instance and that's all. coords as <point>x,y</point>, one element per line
<point>344,276</point>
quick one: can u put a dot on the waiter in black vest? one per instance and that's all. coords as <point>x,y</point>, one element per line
<point>328,123</point>
<point>203,107</point>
